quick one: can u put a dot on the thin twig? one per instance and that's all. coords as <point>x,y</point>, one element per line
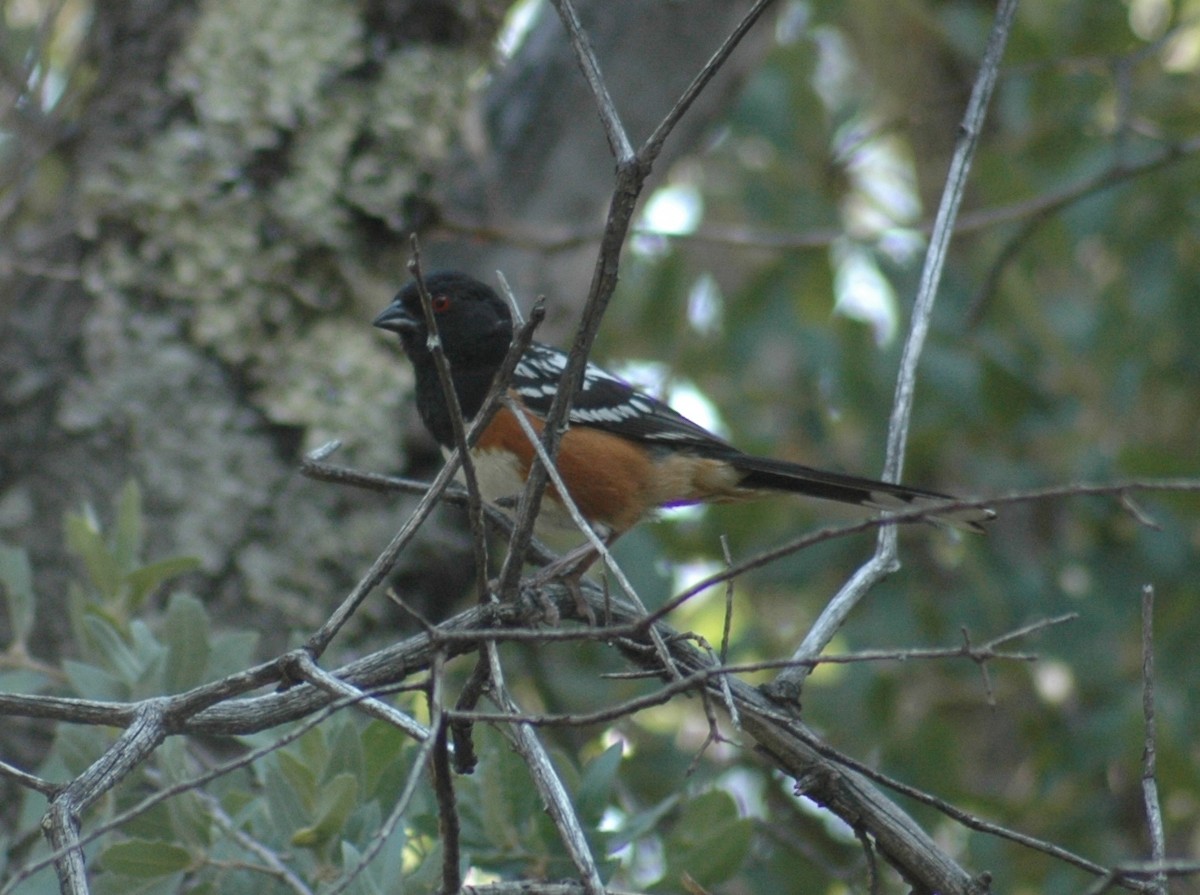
<point>632,171</point>
<point>653,146</point>
<point>29,781</point>
<point>379,569</point>
<point>577,517</point>
<point>410,785</point>
<point>458,426</point>
<point>885,560</point>
<point>555,796</point>
<point>614,130</point>
<point>449,828</point>
<point>306,668</point>
<point>270,859</point>
<point>1080,489</point>
<point>314,467</point>
<point>1154,821</point>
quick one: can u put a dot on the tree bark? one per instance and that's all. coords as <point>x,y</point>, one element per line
<point>119,365</point>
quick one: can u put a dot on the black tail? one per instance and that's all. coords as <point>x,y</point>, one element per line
<point>763,473</point>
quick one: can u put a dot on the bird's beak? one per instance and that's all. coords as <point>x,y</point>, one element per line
<point>396,318</point>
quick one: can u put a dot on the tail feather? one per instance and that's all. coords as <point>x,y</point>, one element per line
<point>764,473</point>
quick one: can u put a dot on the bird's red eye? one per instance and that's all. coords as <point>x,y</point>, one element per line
<point>440,303</point>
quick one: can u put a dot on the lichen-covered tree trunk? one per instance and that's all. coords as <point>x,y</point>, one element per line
<point>219,207</point>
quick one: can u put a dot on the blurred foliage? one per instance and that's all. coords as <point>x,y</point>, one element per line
<point>315,798</point>
<point>1062,350</point>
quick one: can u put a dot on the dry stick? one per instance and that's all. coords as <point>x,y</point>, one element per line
<point>29,781</point>
<point>312,720</point>
<point>568,501</point>
<point>320,640</point>
<point>1130,875</point>
<point>767,726</point>
<point>410,785</point>
<point>545,778</point>
<point>61,822</point>
<point>864,842</point>
<point>1038,207</point>
<point>632,171</point>
<point>391,664</point>
<point>585,528</point>
<point>314,467</point>
<point>1154,822</point>
<point>1037,210</point>
<point>844,792</point>
<point>720,671</point>
<point>306,724</point>
<point>449,828</point>
<point>885,559</point>
<point>465,758</point>
<point>269,858</point>
<point>614,131</point>
<point>307,669</point>
<point>1080,489</point>
<point>457,425</point>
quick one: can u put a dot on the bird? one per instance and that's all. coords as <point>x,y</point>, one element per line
<point>625,454</point>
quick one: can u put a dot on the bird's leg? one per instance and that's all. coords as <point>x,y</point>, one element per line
<point>570,569</point>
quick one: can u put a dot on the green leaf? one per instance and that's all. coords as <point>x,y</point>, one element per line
<point>364,883</point>
<point>143,581</point>
<point>388,866</point>
<point>111,648</point>
<point>232,651</point>
<point>345,749</point>
<point>382,745</point>
<point>643,823</point>
<point>151,656</point>
<point>128,530</point>
<point>16,583</point>
<point>594,788</point>
<point>335,801</point>
<point>709,843</point>
<point>85,541</point>
<point>24,680</point>
<point>288,809</point>
<point>91,682</point>
<point>143,858</point>
<point>300,777</point>
<point>186,633</point>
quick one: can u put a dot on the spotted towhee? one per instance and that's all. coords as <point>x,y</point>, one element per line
<point>625,453</point>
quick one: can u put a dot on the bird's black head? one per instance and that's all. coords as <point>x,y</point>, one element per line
<point>473,322</point>
<point>476,329</point>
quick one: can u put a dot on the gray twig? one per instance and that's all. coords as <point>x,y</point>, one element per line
<point>1154,821</point>
<point>886,559</point>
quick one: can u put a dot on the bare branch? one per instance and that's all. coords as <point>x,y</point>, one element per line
<point>379,569</point>
<point>410,784</point>
<point>1082,489</point>
<point>270,859</point>
<point>546,779</point>
<point>632,171</point>
<point>653,146</point>
<point>305,668</point>
<point>1154,821</point>
<point>29,781</point>
<point>61,823</point>
<point>886,560</point>
<point>457,424</point>
<point>618,140</point>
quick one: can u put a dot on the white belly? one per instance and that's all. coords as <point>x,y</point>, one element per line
<point>500,483</point>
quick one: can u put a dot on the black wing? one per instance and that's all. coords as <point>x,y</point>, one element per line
<point>606,402</point>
